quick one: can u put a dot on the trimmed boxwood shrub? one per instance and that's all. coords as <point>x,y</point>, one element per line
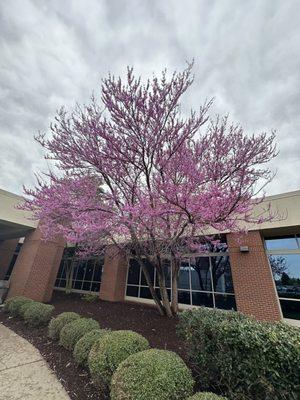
<point>13,305</point>
<point>73,331</point>
<point>56,324</point>
<point>150,375</point>
<point>84,345</point>
<point>24,307</point>
<point>109,351</point>
<point>240,357</point>
<point>38,314</point>
<point>206,396</point>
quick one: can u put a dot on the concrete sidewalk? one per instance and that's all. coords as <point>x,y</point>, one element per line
<point>24,374</point>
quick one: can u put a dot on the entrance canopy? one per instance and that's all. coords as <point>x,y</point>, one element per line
<point>14,223</point>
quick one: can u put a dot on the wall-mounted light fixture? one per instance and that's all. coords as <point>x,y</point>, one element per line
<point>244,249</point>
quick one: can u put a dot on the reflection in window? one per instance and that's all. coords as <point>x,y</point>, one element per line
<point>282,243</point>
<point>284,257</point>
<point>200,274</point>
<point>84,274</point>
<point>203,281</point>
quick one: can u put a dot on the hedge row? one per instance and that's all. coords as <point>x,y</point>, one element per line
<point>121,362</point>
<point>240,357</point>
<point>34,313</point>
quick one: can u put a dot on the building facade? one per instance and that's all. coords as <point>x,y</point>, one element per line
<point>257,273</point>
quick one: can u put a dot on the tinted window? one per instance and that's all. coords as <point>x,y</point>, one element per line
<point>282,243</point>
<point>221,273</point>
<point>133,273</point>
<point>200,274</point>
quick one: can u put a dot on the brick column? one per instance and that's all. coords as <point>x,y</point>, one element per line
<point>113,281</point>
<point>7,249</point>
<point>253,282</point>
<point>36,267</point>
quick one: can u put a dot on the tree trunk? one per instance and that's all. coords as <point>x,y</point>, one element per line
<point>175,266</point>
<point>151,288</point>
<point>164,293</point>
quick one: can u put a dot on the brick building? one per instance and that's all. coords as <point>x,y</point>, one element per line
<point>257,274</point>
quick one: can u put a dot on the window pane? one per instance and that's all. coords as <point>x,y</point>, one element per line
<point>133,272</point>
<point>95,287</point>
<point>145,293</point>
<point>80,268</point>
<point>56,283</point>
<point>184,275</point>
<point>225,301</point>
<point>150,270</point>
<point>167,273</point>
<point>184,297</point>
<point>98,270</point>
<point>221,272</point>
<point>62,283</point>
<point>200,274</point>
<point>77,285</point>
<point>282,242</point>
<point>286,272</point>
<point>202,299</point>
<point>89,270</point>
<point>290,309</point>
<point>86,286</point>
<point>132,291</point>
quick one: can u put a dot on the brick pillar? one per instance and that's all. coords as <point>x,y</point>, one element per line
<point>7,249</point>
<point>113,281</point>
<point>253,282</point>
<point>36,267</point>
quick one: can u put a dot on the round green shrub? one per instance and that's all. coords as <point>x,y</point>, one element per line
<point>24,307</point>
<point>109,351</point>
<point>84,345</point>
<point>206,396</point>
<point>150,375</point>
<point>38,314</point>
<point>13,305</point>
<point>56,324</point>
<point>73,331</point>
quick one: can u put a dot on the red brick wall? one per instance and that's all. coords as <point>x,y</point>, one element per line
<point>7,249</point>
<point>113,281</point>
<point>36,267</point>
<point>253,282</point>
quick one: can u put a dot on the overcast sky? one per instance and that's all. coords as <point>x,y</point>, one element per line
<point>54,53</point>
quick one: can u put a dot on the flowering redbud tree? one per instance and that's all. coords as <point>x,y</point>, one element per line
<point>137,173</point>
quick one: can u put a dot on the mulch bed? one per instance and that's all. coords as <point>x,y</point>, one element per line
<point>160,331</point>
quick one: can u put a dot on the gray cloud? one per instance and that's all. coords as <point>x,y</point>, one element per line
<point>247,56</point>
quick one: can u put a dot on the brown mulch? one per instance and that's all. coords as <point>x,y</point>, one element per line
<point>160,331</point>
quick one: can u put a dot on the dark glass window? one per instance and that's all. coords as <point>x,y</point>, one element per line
<point>184,275</point>
<point>133,273</point>
<point>145,293</point>
<point>290,309</point>
<point>202,299</point>
<point>85,274</point>
<point>225,301</point>
<point>282,243</point>
<point>150,270</point>
<point>184,297</point>
<point>132,291</point>
<point>200,274</point>
<point>221,273</point>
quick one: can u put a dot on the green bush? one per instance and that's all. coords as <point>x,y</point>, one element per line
<point>206,396</point>
<point>90,297</point>
<point>38,314</point>
<point>109,351</point>
<point>151,375</point>
<point>13,305</point>
<point>240,357</point>
<point>84,345</point>
<point>73,331</point>
<point>56,324</point>
<point>24,307</point>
